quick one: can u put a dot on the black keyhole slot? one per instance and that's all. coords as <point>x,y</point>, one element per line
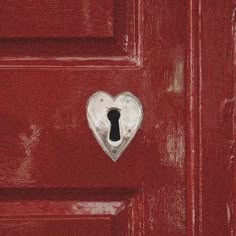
<point>113,116</point>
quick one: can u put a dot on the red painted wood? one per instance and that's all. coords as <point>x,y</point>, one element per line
<point>74,227</point>
<point>172,179</point>
<point>209,88</point>
<point>43,19</point>
<point>232,161</point>
<point>193,161</point>
<point>216,85</point>
<point>90,45</point>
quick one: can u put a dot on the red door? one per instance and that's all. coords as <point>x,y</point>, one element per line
<point>175,57</point>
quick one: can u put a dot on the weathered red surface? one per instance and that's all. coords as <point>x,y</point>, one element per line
<point>210,85</point>
<point>42,19</point>
<point>171,180</point>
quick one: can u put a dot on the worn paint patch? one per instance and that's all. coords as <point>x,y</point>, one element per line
<point>63,120</point>
<point>29,143</point>
<point>165,206</point>
<point>175,146</point>
<point>177,84</point>
<point>98,208</point>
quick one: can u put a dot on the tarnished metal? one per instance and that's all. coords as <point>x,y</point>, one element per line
<point>131,116</point>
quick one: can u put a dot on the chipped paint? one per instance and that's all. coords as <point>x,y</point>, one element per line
<point>98,208</point>
<point>125,43</point>
<point>29,143</point>
<point>136,215</point>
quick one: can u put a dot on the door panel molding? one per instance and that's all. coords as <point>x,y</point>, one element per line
<point>80,34</point>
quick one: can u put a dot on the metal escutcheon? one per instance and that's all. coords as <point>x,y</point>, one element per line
<point>114,121</point>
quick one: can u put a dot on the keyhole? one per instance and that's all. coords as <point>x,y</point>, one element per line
<point>114,115</point>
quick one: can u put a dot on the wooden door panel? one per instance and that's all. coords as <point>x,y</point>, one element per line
<point>71,211</point>
<point>43,19</point>
<point>38,134</point>
<point>71,33</point>
<point>54,177</point>
<point>46,142</point>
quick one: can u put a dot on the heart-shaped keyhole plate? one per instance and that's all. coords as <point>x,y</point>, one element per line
<point>127,118</point>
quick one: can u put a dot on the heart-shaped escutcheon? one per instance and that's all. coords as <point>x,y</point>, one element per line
<point>114,121</point>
